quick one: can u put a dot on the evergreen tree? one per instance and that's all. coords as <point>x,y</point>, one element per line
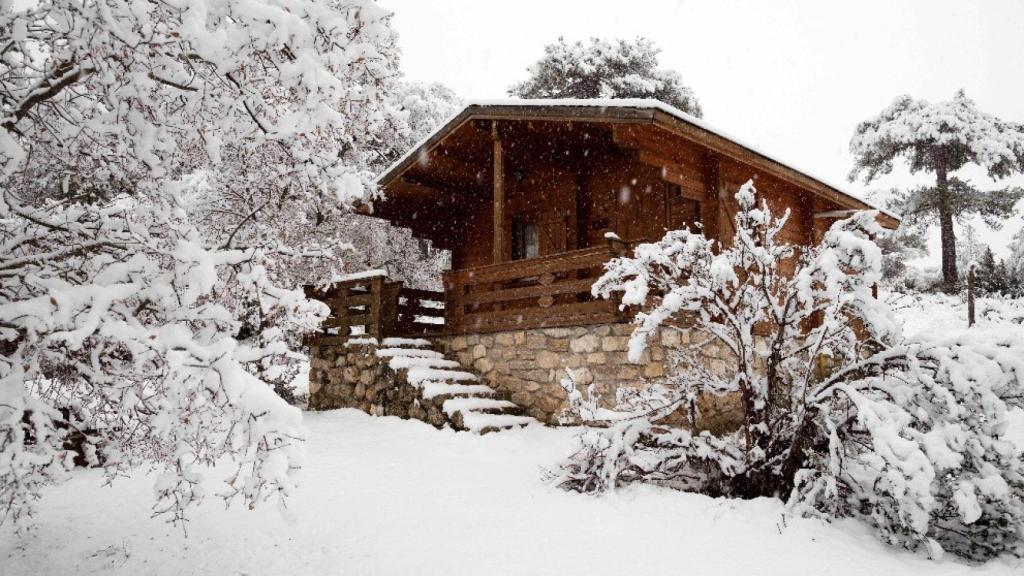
<point>902,244</point>
<point>606,69</point>
<point>968,249</point>
<point>1015,263</point>
<point>940,139</point>
<point>905,243</point>
<point>990,277</point>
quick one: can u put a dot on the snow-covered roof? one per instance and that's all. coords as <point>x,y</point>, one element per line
<point>606,107</point>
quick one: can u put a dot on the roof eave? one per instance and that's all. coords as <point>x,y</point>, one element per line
<point>657,115</point>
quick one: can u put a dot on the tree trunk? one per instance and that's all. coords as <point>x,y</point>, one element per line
<point>949,274</point>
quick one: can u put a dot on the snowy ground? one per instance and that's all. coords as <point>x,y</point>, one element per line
<point>942,314</point>
<point>386,496</point>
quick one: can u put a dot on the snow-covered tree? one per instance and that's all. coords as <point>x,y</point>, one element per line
<point>990,276</point>
<point>1015,262</point>
<point>606,69</point>
<point>372,243</point>
<point>840,413</point>
<point>424,107</point>
<point>941,139</point>
<point>161,166</point>
<point>969,248</point>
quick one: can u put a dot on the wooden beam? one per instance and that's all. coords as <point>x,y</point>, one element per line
<point>745,155</point>
<point>671,172</point>
<point>499,196</point>
<point>836,213</point>
<point>457,173</point>
<point>710,207</point>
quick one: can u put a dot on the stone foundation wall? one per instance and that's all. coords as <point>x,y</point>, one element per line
<point>353,376</point>
<point>527,366</point>
<point>524,366</point>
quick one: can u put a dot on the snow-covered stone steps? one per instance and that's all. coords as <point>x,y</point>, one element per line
<point>467,404</point>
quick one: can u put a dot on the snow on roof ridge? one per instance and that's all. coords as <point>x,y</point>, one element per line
<point>649,103</point>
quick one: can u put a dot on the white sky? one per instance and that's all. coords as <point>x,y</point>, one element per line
<point>791,77</point>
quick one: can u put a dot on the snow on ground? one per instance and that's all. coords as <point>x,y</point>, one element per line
<point>390,496</point>
<point>387,496</point>
<point>946,314</point>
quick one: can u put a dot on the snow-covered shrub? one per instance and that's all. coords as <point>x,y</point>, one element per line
<point>842,415</point>
<point>162,166</point>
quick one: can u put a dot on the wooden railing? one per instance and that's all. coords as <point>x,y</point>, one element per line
<point>549,291</point>
<point>419,312</point>
<point>540,292</point>
<point>372,306</point>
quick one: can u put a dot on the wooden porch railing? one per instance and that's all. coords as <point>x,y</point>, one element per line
<point>419,312</point>
<point>375,307</point>
<point>540,292</point>
<point>549,291</point>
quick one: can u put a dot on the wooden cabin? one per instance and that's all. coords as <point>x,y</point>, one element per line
<point>526,194</point>
<point>532,198</point>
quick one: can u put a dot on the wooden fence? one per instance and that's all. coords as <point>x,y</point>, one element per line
<point>549,291</point>
<point>375,307</point>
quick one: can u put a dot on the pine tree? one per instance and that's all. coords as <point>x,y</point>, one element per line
<point>968,249</point>
<point>905,243</point>
<point>1015,262</point>
<point>941,139</point>
<point>606,69</point>
<point>990,278</point>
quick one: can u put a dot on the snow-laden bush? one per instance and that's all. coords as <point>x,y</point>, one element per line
<point>841,414</point>
<point>162,168</point>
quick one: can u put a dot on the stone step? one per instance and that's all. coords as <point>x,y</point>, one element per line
<point>409,352</point>
<point>484,423</point>
<point>420,374</point>
<point>406,343</point>
<point>432,390</point>
<point>477,404</point>
<point>513,410</point>
<point>406,362</point>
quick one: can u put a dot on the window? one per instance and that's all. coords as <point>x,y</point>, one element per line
<point>683,212</point>
<point>525,240</point>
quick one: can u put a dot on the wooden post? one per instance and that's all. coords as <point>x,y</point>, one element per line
<point>389,309</point>
<point>970,295</point>
<point>452,301</point>
<point>616,245</point>
<point>373,312</point>
<point>710,205</point>
<point>618,248</point>
<point>499,196</point>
